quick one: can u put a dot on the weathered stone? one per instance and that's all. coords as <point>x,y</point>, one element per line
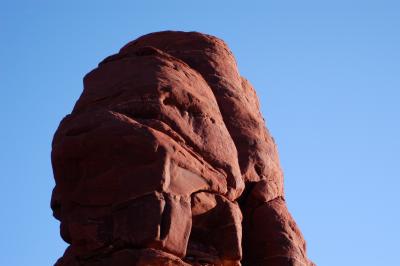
<point>166,160</point>
<point>217,228</point>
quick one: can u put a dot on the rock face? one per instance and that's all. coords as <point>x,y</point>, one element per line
<point>165,160</point>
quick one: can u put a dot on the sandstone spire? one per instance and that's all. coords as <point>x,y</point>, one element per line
<point>166,160</point>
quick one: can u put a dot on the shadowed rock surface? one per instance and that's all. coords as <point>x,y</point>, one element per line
<point>166,160</point>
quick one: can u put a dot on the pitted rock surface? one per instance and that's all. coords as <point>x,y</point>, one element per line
<point>166,160</point>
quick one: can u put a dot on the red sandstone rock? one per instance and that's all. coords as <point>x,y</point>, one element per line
<point>165,160</point>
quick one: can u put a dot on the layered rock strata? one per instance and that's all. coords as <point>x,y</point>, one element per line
<point>166,160</point>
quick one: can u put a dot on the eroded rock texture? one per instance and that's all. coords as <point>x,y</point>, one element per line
<point>165,160</point>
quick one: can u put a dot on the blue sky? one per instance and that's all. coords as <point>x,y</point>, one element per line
<point>327,74</point>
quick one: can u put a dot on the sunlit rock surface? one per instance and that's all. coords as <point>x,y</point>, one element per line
<point>166,160</point>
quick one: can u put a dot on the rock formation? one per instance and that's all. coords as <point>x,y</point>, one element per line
<point>165,160</point>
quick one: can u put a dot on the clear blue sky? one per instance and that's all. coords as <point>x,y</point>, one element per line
<point>327,74</point>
